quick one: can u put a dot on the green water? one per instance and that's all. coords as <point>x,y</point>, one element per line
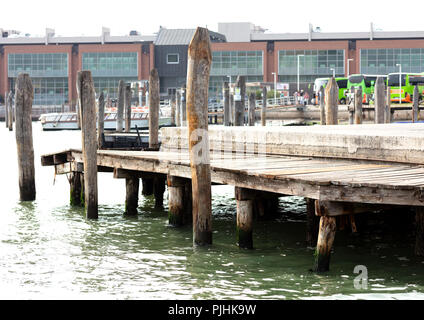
<point>49,251</point>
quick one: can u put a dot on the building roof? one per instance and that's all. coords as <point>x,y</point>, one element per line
<point>168,37</point>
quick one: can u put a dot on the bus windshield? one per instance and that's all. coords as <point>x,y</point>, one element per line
<point>356,79</point>
<point>369,80</point>
<point>394,80</point>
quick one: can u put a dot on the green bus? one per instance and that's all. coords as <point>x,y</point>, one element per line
<point>407,87</point>
<point>366,82</point>
<point>341,83</point>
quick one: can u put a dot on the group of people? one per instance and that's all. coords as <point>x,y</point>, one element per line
<point>301,97</point>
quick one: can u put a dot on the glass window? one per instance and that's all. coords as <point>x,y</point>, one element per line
<point>172,58</point>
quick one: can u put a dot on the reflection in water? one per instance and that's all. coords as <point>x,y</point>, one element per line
<point>49,251</point>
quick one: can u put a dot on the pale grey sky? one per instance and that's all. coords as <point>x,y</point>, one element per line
<point>88,16</point>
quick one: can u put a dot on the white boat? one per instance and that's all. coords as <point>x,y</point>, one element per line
<point>68,121</point>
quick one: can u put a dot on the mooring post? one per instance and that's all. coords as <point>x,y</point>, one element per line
<point>23,109</point>
<point>352,107</point>
<point>252,109</point>
<point>327,232</point>
<point>128,96</point>
<point>178,109</point>
<point>154,109</point>
<point>244,198</point>
<point>312,223</point>
<point>6,109</point>
<point>232,109</point>
<point>239,100</point>
<point>322,105</point>
<point>379,101</point>
<point>10,111</point>
<point>87,102</point>
<point>358,105</point>
<point>132,185</point>
<point>226,92</point>
<point>78,112</point>
<point>415,104</point>
<point>198,70</point>
<point>158,189</point>
<point>388,112</point>
<point>173,105</point>
<point>147,186</point>
<point>263,109</point>
<point>419,233</point>
<point>176,187</point>
<point>76,183</point>
<point>101,121</point>
<point>331,102</point>
<point>184,106</point>
<point>121,102</point>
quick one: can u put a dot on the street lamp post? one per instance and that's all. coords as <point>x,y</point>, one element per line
<point>298,71</point>
<point>348,65</point>
<point>400,82</point>
<point>275,88</point>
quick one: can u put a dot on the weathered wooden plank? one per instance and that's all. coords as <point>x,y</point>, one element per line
<point>331,102</point>
<point>380,100</point>
<point>154,109</point>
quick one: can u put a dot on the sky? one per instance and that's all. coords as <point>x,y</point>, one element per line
<point>87,17</point>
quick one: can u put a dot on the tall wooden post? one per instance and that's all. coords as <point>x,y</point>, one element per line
<point>78,112</point>
<point>121,102</point>
<point>327,232</point>
<point>178,109</point>
<point>128,96</point>
<point>154,109</point>
<point>352,104</point>
<point>358,105</point>
<point>244,200</point>
<point>232,111</point>
<point>6,109</point>
<point>10,111</point>
<point>23,108</point>
<point>198,70</point>
<point>331,102</point>
<point>252,108</point>
<point>173,105</point>
<point>132,185</point>
<point>239,100</point>
<point>226,104</point>
<point>184,106</point>
<point>322,105</point>
<point>87,102</point>
<point>380,100</point>
<point>415,104</point>
<point>388,113</point>
<point>101,121</point>
<point>263,110</point>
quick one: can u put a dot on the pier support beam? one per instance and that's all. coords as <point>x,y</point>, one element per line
<point>176,189</point>
<point>76,183</point>
<point>244,198</point>
<point>131,201</point>
<point>312,223</point>
<point>327,232</point>
<point>147,186</point>
<point>158,190</point>
<point>419,240</point>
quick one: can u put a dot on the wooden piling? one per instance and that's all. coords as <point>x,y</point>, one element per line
<point>87,102</point>
<point>226,104</point>
<point>101,121</point>
<point>173,106</point>
<point>132,185</point>
<point>358,105</point>
<point>198,70</point>
<point>78,112</point>
<point>244,200</point>
<point>183,110</point>
<point>419,233</point>
<point>388,112</point>
<point>322,105</point>
<point>263,109</point>
<point>128,96</point>
<point>380,100</point>
<point>121,103</point>
<point>232,111</point>
<point>154,109</point>
<point>147,186</point>
<point>158,189</point>
<point>252,108</point>
<point>331,102</point>
<point>176,200</point>
<point>239,100</point>
<point>23,109</point>
<point>76,183</point>
<point>327,232</point>
<point>10,113</point>
<point>178,109</point>
<point>415,104</point>
<point>312,223</point>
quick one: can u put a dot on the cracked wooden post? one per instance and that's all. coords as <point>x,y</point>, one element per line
<point>388,112</point>
<point>178,109</point>
<point>419,233</point>
<point>415,104</point>
<point>358,105</point>
<point>176,188</point>
<point>87,102</point>
<point>23,109</point>
<point>154,109</point>
<point>379,101</point>
<point>6,109</point>
<point>132,185</point>
<point>263,109</point>
<point>128,96</point>
<point>158,189</point>
<point>239,100</point>
<point>198,70</point>
<point>244,198</point>
<point>121,102</point>
<point>226,90</point>
<point>252,108</point>
<point>101,121</point>
<point>322,105</point>
<point>331,102</point>
<point>327,232</point>
<point>10,113</point>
